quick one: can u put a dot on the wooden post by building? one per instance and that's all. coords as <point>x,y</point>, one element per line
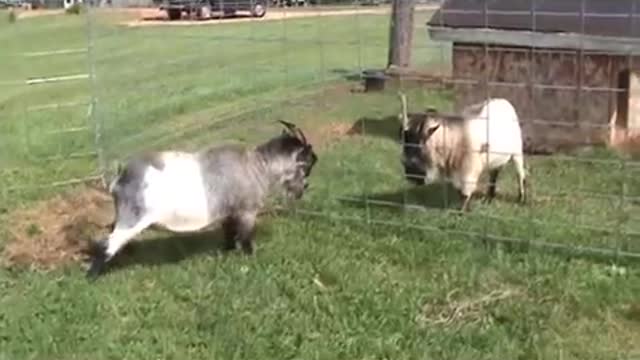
<point>401,34</point>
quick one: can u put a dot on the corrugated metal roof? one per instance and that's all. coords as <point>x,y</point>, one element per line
<point>590,17</point>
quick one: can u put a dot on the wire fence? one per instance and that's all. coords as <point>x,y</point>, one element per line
<point>119,81</point>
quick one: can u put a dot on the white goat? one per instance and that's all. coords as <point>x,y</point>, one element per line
<point>485,136</point>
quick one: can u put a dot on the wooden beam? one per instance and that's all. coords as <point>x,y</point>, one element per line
<point>611,45</point>
<point>401,33</point>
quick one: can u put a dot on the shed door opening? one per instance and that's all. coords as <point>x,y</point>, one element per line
<point>628,104</point>
<point>622,103</point>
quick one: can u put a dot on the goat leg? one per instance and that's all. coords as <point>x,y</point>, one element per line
<point>522,194</point>
<point>230,229</point>
<point>466,206</point>
<point>246,233</point>
<point>108,248</point>
<point>98,261</point>
<point>491,190</point>
<point>242,230</point>
<point>99,257</point>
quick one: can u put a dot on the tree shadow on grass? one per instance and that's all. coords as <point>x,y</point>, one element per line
<point>386,127</point>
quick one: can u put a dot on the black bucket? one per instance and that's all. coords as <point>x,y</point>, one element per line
<point>374,80</point>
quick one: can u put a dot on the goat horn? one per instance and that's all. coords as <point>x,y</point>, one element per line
<point>291,127</point>
<point>302,137</point>
<point>294,130</point>
<point>405,117</point>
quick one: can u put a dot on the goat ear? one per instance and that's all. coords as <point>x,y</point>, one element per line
<point>307,152</point>
<point>301,155</point>
<point>299,152</point>
<point>421,127</point>
<point>432,128</point>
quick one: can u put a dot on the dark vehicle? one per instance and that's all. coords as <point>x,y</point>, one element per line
<point>8,4</point>
<point>282,3</point>
<point>204,8</point>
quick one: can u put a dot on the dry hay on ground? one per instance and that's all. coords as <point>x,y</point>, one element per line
<point>328,133</point>
<point>57,231</point>
<point>469,310</point>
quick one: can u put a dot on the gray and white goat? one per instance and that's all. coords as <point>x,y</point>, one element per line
<point>190,191</point>
<point>460,148</point>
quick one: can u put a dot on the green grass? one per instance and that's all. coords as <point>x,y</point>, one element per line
<point>351,274</point>
<point>145,77</point>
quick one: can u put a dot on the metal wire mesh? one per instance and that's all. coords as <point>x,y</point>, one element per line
<point>158,86</point>
<point>45,107</point>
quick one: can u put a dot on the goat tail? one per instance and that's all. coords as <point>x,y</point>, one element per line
<point>119,170</point>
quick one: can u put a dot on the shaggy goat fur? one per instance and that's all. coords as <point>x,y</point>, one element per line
<point>460,148</point>
<point>190,191</point>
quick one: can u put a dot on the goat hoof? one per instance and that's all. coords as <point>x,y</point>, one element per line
<point>228,245</point>
<point>247,250</point>
<point>97,267</point>
<point>95,271</point>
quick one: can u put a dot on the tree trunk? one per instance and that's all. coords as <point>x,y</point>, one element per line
<point>401,34</point>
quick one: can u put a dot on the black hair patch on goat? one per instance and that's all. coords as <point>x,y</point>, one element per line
<point>287,144</point>
<point>309,158</point>
<point>154,159</point>
<point>127,191</point>
<point>137,166</point>
<point>284,144</point>
<point>240,230</point>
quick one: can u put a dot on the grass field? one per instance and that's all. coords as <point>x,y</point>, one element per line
<point>346,276</point>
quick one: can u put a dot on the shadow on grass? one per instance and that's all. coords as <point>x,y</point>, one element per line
<point>444,197</point>
<point>386,127</point>
<point>168,248</point>
<point>349,75</point>
<point>437,196</point>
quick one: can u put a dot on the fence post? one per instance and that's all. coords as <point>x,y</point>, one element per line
<point>93,119</point>
<point>401,33</point>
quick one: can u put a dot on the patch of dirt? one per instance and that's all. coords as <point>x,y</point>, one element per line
<point>335,130</point>
<point>23,14</point>
<point>59,230</point>
<point>155,17</point>
<point>326,134</point>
